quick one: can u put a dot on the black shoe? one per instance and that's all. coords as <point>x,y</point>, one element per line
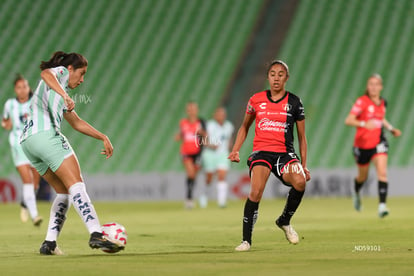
<point>98,240</point>
<point>50,248</point>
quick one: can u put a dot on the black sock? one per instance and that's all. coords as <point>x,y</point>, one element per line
<point>357,186</point>
<point>382,191</point>
<point>292,203</point>
<point>190,186</point>
<point>251,212</point>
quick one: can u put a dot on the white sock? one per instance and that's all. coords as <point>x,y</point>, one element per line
<point>222,193</point>
<point>60,207</point>
<point>83,205</point>
<point>29,198</point>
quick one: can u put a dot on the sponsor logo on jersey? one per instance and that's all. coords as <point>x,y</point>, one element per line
<point>262,105</point>
<point>269,125</point>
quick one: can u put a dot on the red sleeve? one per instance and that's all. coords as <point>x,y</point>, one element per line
<point>250,109</point>
<point>358,107</point>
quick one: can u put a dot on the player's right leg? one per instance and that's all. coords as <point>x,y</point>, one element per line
<point>362,158</point>
<point>191,171</point>
<point>57,218</point>
<point>69,174</point>
<point>29,196</point>
<point>258,177</point>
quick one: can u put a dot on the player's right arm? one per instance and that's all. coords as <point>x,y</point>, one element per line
<point>6,122</point>
<point>352,118</point>
<point>50,78</point>
<point>241,137</point>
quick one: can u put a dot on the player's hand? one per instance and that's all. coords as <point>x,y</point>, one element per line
<point>108,148</point>
<point>307,174</point>
<point>396,132</point>
<point>234,156</point>
<point>70,104</point>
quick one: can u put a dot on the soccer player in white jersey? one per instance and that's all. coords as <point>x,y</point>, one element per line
<point>214,156</point>
<point>15,113</point>
<point>50,152</point>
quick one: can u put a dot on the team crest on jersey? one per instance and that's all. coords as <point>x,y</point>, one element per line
<point>286,107</point>
<point>371,109</point>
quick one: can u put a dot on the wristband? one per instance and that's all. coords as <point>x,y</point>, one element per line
<point>390,128</point>
<point>362,123</point>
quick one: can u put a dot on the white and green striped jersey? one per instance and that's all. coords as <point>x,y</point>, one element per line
<point>47,107</point>
<point>18,113</point>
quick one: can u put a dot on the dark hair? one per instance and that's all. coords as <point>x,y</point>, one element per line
<point>63,59</point>
<point>278,61</point>
<point>19,77</point>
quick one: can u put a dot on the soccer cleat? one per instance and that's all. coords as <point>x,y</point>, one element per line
<point>290,233</point>
<point>244,246</point>
<point>98,240</point>
<point>189,204</point>
<point>37,221</point>
<point>50,248</point>
<point>24,214</point>
<point>203,201</point>
<point>383,210</point>
<point>356,198</point>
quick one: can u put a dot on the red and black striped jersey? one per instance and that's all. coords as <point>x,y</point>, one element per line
<point>275,121</point>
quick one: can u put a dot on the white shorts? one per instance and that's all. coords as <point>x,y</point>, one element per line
<point>212,161</point>
<point>18,156</point>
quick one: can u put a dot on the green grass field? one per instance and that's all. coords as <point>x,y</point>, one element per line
<point>165,239</point>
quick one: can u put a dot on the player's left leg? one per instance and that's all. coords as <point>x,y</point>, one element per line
<point>191,172</point>
<point>36,178</point>
<point>294,175</point>
<point>380,161</point>
<point>222,188</point>
<point>29,197</point>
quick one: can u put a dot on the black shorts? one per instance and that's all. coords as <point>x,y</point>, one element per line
<point>275,161</point>
<point>364,156</point>
<point>195,158</point>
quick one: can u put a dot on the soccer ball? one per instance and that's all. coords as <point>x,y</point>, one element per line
<point>116,233</point>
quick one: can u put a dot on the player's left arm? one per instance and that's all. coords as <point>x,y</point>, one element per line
<point>303,146</point>
<point>85,128</point>
<point>394,131</point>
<point>6,121</point>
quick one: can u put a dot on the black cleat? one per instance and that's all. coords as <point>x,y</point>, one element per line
<point>50,248</point>
<point>98,240</point>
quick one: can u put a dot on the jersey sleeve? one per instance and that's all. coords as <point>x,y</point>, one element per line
<point>358,107</point>
<point>250,109</point>
<point>6,110</point>
<point>300,111</point>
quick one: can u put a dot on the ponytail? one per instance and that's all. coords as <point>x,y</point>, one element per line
<point>60,58</point>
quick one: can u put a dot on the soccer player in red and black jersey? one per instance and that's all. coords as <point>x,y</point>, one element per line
<point>368,116</point>
<point>275,111</point>
<point>192,131</point>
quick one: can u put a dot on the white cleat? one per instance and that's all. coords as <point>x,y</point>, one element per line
<point>24,214</point>
<point>290,233</point>
<point>189,204</point>
<point>383,210</point>
<point>244,246</point>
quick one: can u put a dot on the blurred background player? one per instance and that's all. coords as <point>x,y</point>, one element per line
<point>15,114</point>
<point>370,144</point>
<point>275,111</point>
<point>192,131</point>
<point>50,152</point>
<point>214,156</point>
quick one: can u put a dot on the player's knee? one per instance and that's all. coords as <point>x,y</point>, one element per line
<point>299,183</point>
<point>382,176</point>
<point>255,195</point>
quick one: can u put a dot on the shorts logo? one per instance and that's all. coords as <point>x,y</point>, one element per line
<point>65,144</point>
